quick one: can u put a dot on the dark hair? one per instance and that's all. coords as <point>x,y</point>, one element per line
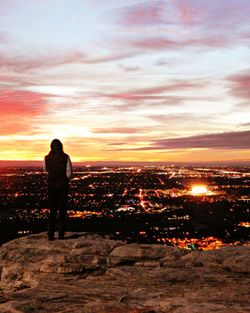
<point>56,146</point>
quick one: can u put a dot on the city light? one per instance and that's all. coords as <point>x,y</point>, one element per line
<point>198,190</point>
<point>244,224</point>
<point>160,204</point>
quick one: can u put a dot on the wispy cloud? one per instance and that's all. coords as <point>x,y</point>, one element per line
<point>130,68</point>
<point>153,92</point>
<point>143,14</point>
<point>117,143</point>
<point>173,94</point>
<point>119,130</point>
<point>163,43</point>
<point>180,118</point>
<point>23,63</point>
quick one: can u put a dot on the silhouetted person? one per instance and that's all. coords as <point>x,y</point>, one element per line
<point>59,168</point>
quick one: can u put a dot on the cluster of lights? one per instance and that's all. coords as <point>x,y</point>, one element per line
<point>203,190</point>
<point>75,214</point>
<point>208,243</point>
<point>80,214</point>
<point>198,190</point>
<point>244,224</point>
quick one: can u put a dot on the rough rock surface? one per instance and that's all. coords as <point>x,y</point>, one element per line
<point>87,273</point>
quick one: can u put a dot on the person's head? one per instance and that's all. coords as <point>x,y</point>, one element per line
<point>56,146</point>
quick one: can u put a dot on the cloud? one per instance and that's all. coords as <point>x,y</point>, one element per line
<point>143,14</point>
<point>130,103</point>
<point>24,63</point>
<point>18,110</point>
<point>119,130</point>
<point>245,124</point>
<point>19,102</point>
<point>204,14</point>
<point>163,62</point>
<point>227,140</point>
<point>110,57</point>
<point>214,19</point>
<point>240,85</point>
<point>180,24</point>
<point>154,43</point>
<point>172,119</point>
<point>153,92</point>
<point>163,43</point>
<point>24,71</point>
<point>180,119</point>
<point>130,68</point>
<point>117,143</point>
<point>161,96</point>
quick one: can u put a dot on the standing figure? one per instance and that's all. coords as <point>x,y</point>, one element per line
<point>59,168</point>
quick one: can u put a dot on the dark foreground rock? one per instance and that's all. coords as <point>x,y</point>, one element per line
<point>87,273</point>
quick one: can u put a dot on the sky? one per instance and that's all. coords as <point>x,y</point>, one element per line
<point>135,80</point>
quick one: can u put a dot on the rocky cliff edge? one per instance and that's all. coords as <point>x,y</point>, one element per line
<point>87,273</point>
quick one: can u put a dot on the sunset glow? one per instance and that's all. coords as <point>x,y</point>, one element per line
<point>159,80</point>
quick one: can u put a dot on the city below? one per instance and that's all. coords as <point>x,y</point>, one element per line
<point>194,207</point>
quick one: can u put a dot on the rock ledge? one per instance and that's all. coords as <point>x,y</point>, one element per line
<point>93,274</point>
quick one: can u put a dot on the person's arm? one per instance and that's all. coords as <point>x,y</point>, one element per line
<point>44,165</point>
<point>69,171</point>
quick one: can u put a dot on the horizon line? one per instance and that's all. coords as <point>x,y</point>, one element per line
<point>110,162</point>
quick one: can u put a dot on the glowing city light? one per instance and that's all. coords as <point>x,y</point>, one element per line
<point>244,224</point>
<point>199,190</point>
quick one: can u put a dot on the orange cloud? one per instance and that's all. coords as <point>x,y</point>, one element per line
<point>19,108</point>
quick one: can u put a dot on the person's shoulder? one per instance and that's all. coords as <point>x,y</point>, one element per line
<point>66,156</point>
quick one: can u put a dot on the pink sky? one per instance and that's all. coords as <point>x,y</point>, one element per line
<point>125,81</point>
